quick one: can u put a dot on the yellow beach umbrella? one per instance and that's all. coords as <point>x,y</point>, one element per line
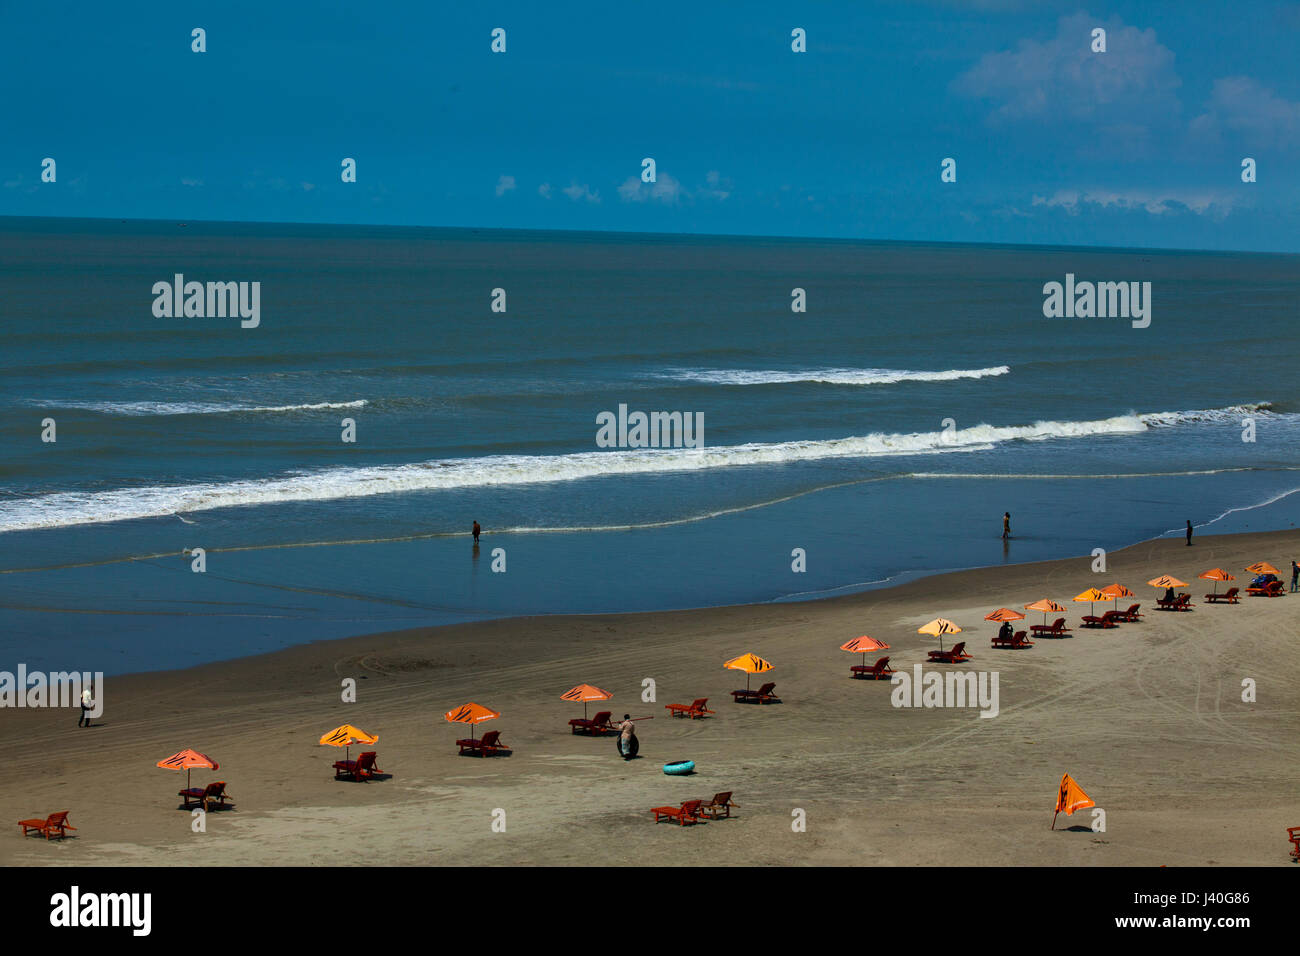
<point>1091,595</point>
<point>584,693</point>
<point>938,628</point>
<point>345,736</point>
<point>750,664</point>
<point>1045,605</point>
<point>864,644</point>
<point>1216,575</point>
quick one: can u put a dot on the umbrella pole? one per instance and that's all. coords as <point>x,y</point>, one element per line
<point>1054,816</point>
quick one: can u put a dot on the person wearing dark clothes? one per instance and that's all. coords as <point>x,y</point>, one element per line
<point>477,529</point>
<point>1189,533</point>
<point>1295,576</point>
<point>1006,632</point>
<point>1169,594</point>
<point>1006,524</point>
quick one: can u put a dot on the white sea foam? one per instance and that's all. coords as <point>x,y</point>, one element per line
<point>74,508</point>
<point>193,408</point>
<point>829,376</point>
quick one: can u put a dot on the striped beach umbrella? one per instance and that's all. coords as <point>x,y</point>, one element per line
<point>864,644</point>
<point>750,664</point>
<point>584,693</point>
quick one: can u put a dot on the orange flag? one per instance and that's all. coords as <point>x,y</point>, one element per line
<point>1070,797</point>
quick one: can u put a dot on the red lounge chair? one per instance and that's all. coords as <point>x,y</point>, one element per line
<point>597,725</point>
<point>200,796</point>
<point>1163,605</point>
<point>1130,616</point>
<point>1293,834</point>
<point>1014,642</point>
<point>720,805</point>
<point>1230,596</point>
<point>1271,589</point>
<point>761,696</point>
<point>1184,603</point>
<point>692,711</point>
<point>688,812</point>
<point>1057,629</point>
<point>880,670</point>
<point>954,656</point>
<point>485,746</point>
<point>363,768</point>
<point>56,824</point>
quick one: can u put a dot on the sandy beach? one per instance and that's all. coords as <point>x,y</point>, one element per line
<point>1148,718</point>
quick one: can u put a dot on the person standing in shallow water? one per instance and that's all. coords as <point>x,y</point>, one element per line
<point>1189,532</point>
<point>477,529</point>
<point>1006,524</point>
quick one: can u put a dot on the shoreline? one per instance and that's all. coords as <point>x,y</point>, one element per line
<point>880,785</point>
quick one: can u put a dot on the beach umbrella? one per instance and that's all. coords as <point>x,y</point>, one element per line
<point>471,714</point>
<point>1116,591</point>
<point>938,628</point>
<point>584,693</point>
<point>345,737</point>
<point>1263,567</point>
<point>1167,581</point>
<point>1091,595</point>
<point>187,760</point>
<point>750,664</point>
<point>1004,614</point>
<point>1216,575</point>
<point>864,644</point>
<point>1045,605</point>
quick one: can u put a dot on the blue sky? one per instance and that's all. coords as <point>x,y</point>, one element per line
<point>1139,146</point>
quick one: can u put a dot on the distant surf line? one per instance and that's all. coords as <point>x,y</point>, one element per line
<point>829,376</point>
<point>160,409</point>
<point>665,523</point>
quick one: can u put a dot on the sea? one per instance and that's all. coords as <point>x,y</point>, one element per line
<point>177,489</point>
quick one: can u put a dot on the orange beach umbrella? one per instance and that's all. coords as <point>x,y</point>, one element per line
<point>1045,605</point>
<point>750,664</point>
<point>1004,614</point>
<point>471,714</point>
<point>187,760</point>
<point>584,693</point>
<point>1092,595</point>
<point>1116,591</point>
<point>938,628</point>
<point>1167,581</point>
<point>864,644</point>
<point>1263,567</point>
<point>1216,575</point>
<point>345,736</point>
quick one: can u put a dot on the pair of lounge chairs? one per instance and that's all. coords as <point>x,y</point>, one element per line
<point>1267,589</point>
<point>1230,596</point>
<point>1108,620</point>
<point>485,746</point>
<point>1183,602</point>
<point>363,768</point>
<point>56,824</point>
<point>1057,629</point>
<point>880,670</point>
<point>596,725</point>
<point>203,796</point>
<point>694,711</point>
<point>764,695</point>
<point>696,811</point>
<point>955,655</point>
<point>1015,642</point>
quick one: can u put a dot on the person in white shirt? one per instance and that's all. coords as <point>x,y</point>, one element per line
<point>86,704</point>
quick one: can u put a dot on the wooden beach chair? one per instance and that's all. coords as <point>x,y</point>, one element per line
<point>363,768</point>
<point>1293,834</point>
<point>1184,603</point>
<point>719,806</point>
<point>484,746</point>
<point>1015,642</point>
<point>1057,629</point>
<point>1130,616</point>
<point>56,824</point>
<point>880,670</point>
<point>1230,596</point>
<point>956,655</point>
<point>202,796</point>
<point>764,695</point>
<point>597,725</point>
<point>693,711</point>
<point>688,812</point>
<point>1105,621</point>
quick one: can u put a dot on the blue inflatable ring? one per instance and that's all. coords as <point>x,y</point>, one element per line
<point>679,767</point>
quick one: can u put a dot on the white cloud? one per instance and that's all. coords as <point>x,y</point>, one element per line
<point>1250,113</point>
<point>666,189</point>
<point>1204,203</point>
<point>190,181</point>
<point>544,190</point>
<point>504,185</point>
<point>576,193</point>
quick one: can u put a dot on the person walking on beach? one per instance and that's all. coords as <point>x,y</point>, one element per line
<point>1295,576</point>
<point>626,734</point>
<point>477,529</point>
<point>86,704</point>
<point>1189,532</point>
<point>1006,524</point>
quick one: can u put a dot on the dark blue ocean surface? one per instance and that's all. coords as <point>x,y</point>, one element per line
<point>823,430</point>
